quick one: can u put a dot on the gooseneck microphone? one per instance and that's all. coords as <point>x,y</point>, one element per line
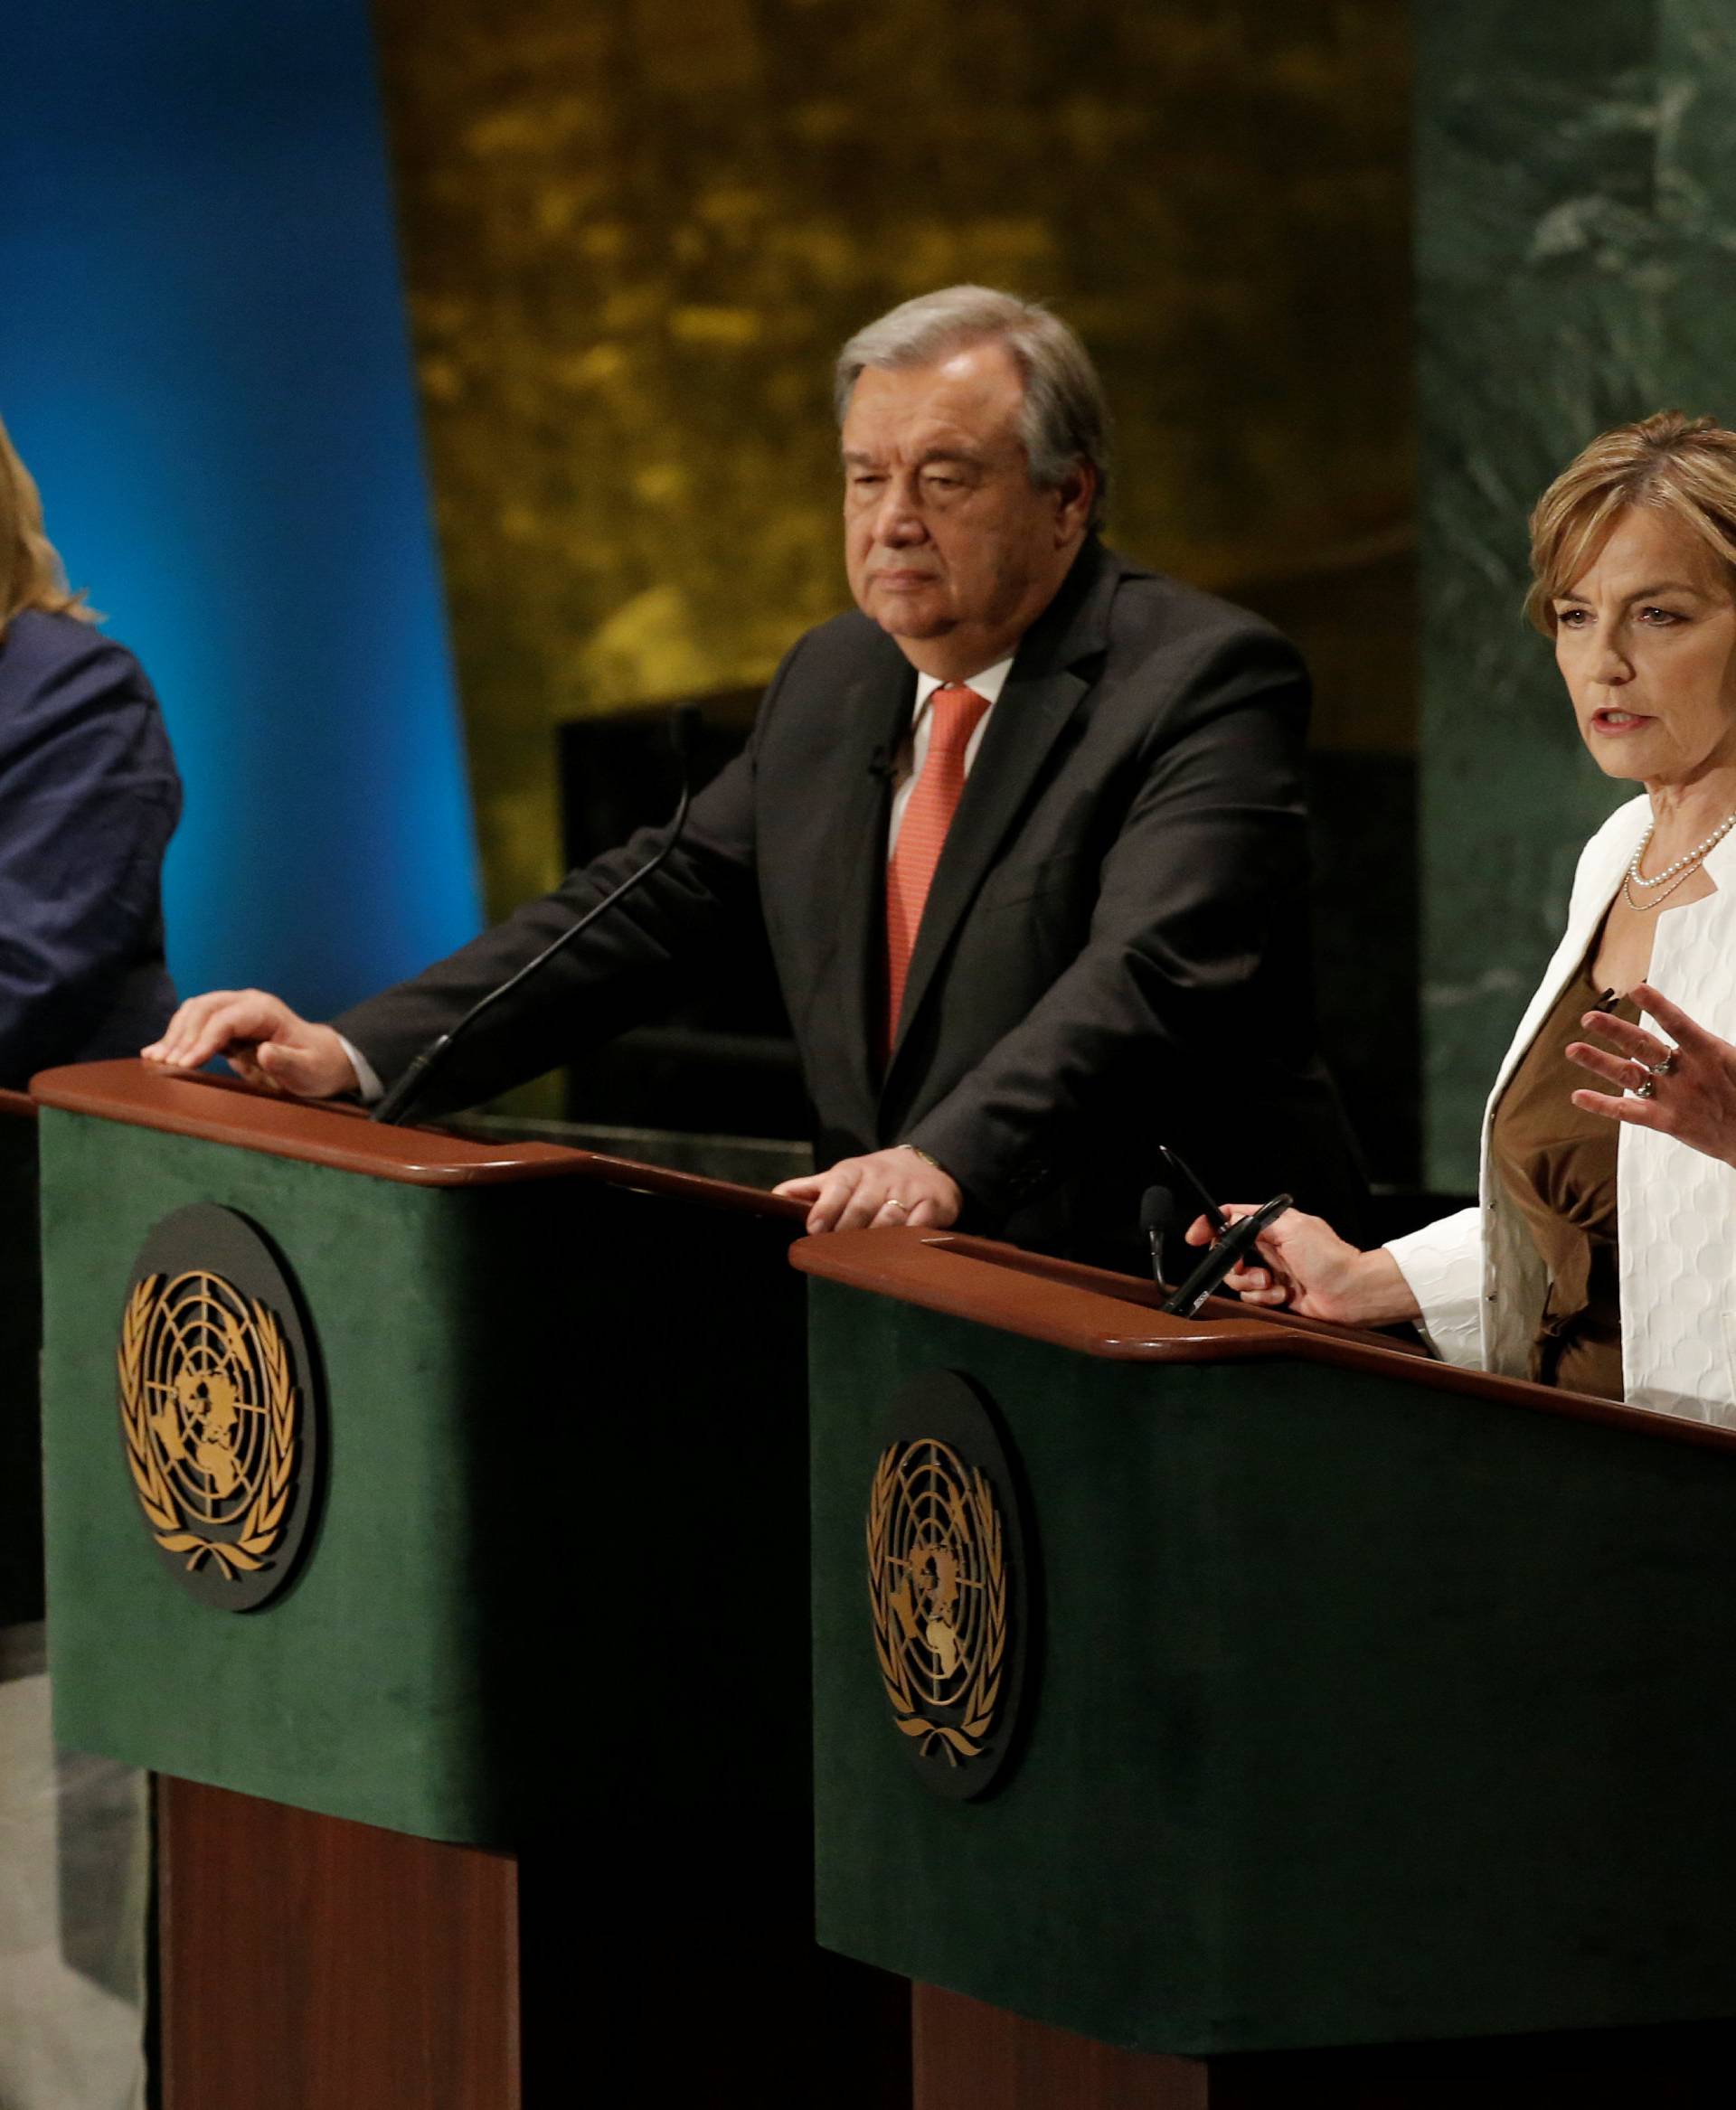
<point>684,723</point>
<point>1157,1214</point>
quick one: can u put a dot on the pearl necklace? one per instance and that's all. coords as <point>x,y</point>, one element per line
<point>1681,862</point>
<point>1657,901</point>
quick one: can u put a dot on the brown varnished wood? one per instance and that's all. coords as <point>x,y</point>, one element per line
<point>927,1268</point>
<point>20,1106</point>
<point>309,1964</point>
<point>968,2055</point>
<point>1136,1289</point>
<point>222,1110</point>
<point>997,1287</point>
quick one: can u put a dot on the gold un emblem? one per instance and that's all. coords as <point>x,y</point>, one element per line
<point>209,1412</point>
<point>937,1584</point>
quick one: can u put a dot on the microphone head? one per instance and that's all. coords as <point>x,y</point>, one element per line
<point>684,721</point>
<point>1156,1211</point>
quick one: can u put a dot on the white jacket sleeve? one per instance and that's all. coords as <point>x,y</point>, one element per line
<point>1443,1264</point>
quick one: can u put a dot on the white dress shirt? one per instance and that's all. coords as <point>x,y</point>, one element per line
<point>368,1087</point>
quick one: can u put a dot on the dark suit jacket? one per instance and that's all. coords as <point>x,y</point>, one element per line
<point>1113,952</point>
<point>88,798</point>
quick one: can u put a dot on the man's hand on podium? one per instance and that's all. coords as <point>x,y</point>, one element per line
<point>261,1039</point>
<point>901,1186</point>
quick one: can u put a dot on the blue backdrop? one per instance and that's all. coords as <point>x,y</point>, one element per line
<point>204,361</point>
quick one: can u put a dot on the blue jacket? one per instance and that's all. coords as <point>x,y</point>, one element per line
<point>88,798</point>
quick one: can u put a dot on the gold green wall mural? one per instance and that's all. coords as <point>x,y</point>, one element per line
<point>636,231</point>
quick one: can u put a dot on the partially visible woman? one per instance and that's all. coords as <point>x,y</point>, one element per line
<point>1602,1255</point>
<point>88,798</point>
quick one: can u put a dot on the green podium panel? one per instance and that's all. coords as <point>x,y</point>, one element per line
<point>21,1502</point>
<point>375,1685</point>
<point>523,1481</point>
<point>548,1608</point>
<point>1364,1701</point>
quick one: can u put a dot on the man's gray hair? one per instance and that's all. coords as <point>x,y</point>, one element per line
<point>1064,420</point>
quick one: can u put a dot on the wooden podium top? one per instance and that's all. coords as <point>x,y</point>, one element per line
<point>19,1104</point>
<point>1112,1317</point>
<point>218,1109</point>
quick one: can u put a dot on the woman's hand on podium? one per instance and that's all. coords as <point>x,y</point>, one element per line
<point>262,1040</point>
<point>1312,1271</point>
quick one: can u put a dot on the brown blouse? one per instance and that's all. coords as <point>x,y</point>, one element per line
<point>1559,1165</point>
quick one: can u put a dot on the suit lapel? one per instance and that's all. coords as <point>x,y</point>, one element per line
<point>1584,917</point>
<point>1048,681</point>
<point>874,715</point>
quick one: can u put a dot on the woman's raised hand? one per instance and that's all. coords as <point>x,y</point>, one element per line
<point>1310,1270</point>
<point>1687,1091</point>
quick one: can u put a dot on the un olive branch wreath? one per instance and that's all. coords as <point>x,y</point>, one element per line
<point>264,1522</point>
<point>964,1741</point>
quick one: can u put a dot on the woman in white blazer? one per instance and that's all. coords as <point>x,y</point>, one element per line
<point>1601,1254</point>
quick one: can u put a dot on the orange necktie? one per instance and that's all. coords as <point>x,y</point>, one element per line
<point>954,714</point>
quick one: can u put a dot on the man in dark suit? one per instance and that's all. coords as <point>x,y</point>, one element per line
<point>1025,832</point>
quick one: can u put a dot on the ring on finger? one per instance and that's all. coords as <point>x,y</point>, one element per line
<point>892,1201</point>
<point>1666,1066</point>
<point>1645,1091</point>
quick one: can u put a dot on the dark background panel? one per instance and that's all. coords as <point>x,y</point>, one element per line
<point>635,235</point>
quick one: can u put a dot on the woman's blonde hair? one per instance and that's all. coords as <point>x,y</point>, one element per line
<point>31,574</point>
<point>1669,462</point>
